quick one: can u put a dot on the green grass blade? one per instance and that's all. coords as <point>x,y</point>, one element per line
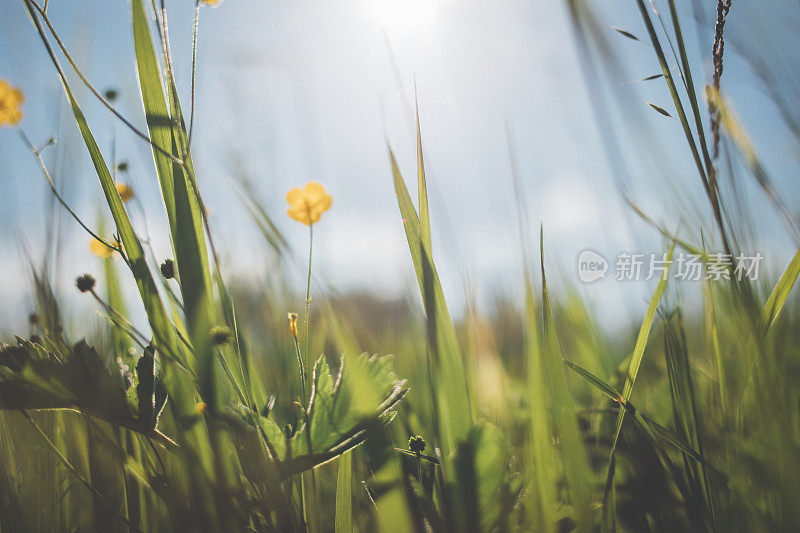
<point>422,187</point>
<point>183,212</point>
<point>156,113</point>
<point>641,419</point>
<point>344,494</point>
<point>712,335</point>
<point>601,385</point>
<point>780,293</point>
<point>541,458</point>
<point>456,414</point>
<point>644,332</point>
<point>578,473</point>
<point>710,188</point>
<point>684,409</point>
<point>690,90</point>
<point>633,370</point>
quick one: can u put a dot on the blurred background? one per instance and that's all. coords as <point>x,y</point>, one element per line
<point>290,92</point>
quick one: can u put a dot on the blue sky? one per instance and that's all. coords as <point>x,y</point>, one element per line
<point>312,90</point>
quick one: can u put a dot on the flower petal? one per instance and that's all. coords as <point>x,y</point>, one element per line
<point>295,196</point>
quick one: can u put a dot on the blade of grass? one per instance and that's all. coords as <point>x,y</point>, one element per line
<point>456,414</point>
<point>183,212</point>
<point>66,462</point>
<point>575,461</point>
<point>422,187</point>
<point>780,293</point>
<point>633,369</point>
<point>540,457</point>
<point>344,494</point>
<point>684,409</point>
<point>641,419</point>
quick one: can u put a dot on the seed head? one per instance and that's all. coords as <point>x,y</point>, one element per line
<point>220,335</point>
<point>168,269</point>
<point>85,283</point>
<point>416,444</point>
<point>293,324</point>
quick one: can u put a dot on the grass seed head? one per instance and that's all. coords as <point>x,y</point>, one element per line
<point>221,335</point>
<point>416,444</point>
<point>85,283</point>
<point>168,269</point>
<point>293,324</point>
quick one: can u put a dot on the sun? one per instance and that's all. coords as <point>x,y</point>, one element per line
<point>404,16</point>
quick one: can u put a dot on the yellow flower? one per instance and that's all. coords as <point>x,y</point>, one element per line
<point>308,204</point>
<point>212,3</point>
<point>293,324</point>
<point>10,103</point>
<point>125,192</point>
<point>99,249</point>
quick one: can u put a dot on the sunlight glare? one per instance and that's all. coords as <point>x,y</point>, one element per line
<point>404,16</point>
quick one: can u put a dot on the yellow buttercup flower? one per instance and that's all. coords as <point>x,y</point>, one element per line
<point>10,104</point>
<point>211,3</point>
<point>125,192</point>
<point>308,204</point>
<point>99,249</point>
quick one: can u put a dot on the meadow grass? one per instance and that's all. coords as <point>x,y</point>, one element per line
<point>221,418</point>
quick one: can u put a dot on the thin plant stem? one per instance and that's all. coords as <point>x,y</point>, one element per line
<point>308,285</point>
<point>58,196</point>
<point>87,83</point>
<point>302,372</point>
<point>114,313</point>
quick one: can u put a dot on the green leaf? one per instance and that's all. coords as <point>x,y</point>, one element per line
<point>344,409</point>
<point>33,379</point>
